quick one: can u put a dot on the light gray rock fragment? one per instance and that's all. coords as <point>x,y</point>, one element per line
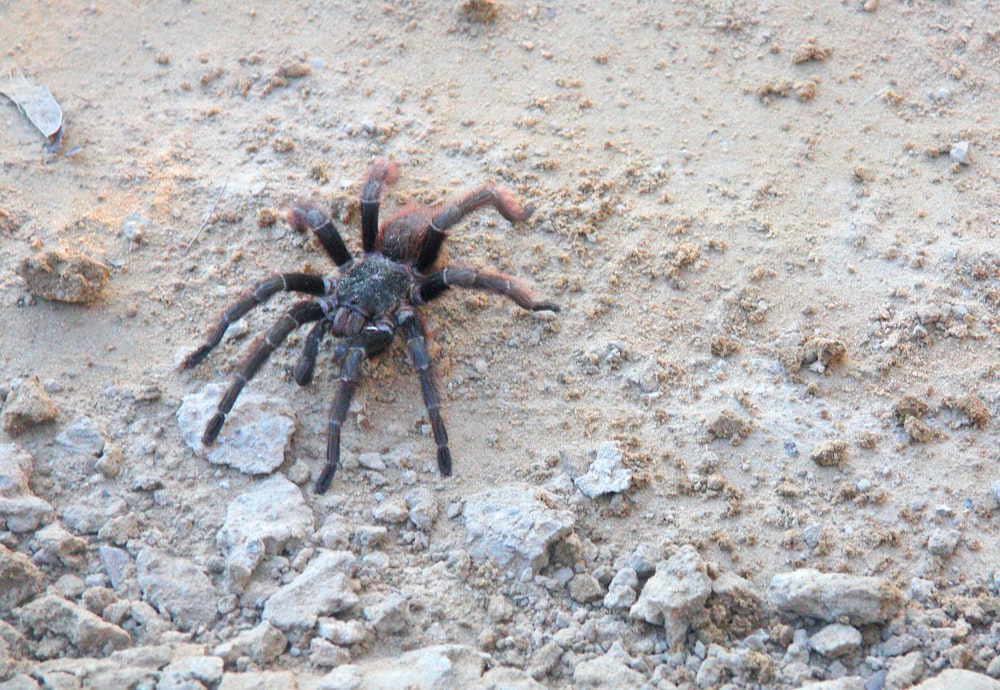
<point>326,654</point>
<point>943,542</point>
<point>675,594</point>
<point>514,527</point>
<point>389,616</point>
<point>836,640</point>
<point>430,668</point>
<point>323,588</point>
<point>828,596</point>
<point>205,670</point>
<point>959,679</point>
<point>84,630</point>
<point>20,580</point>
<point>177,586</point>
<point>271,516</point>
<point>610,670</point>
<point>256,434</point>
<point>82,436</point>
<point>606,474</point>
<point>88,515</point>
<point>28,406</point>
<point>342,633</point>
<point>622,590</point>
<point>424,508</point>
<point>391,510</point>
<point>20,510</point>
<point>262,644</point>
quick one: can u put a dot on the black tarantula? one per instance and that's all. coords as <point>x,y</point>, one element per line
<point>368,301</point>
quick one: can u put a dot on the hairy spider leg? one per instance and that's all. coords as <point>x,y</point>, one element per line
<point>308,215</point>
<point>434,285</point>
<point>371,341</point>
<point>307,360</point>
<point>301,313</point>
<point>260,293</point>
<point>382,173</point>
<point>500,199</point>
<point>416,342</point>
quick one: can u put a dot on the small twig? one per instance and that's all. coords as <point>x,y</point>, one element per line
<point>208,216</point>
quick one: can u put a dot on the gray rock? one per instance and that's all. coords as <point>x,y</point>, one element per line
<point>845,683</point>
<point>177,586</point>
<point>512,526</point>
<point>545,659</point>
<point>584,588</point>
<point>674,594</point>
<point>836,640</point>
<point>606,474</point>
<point>828,596</point>
<point>323,588</point>
<point>20,510</point>
<point>88,515</point>
<point>20,580</point>
<point>342,633</point>
<point>960,153</point>
<point>27,407</point>
<point>118,565</point>
<point>610,670</point>
<point>904,671</point>
<point>20,681</point>
<point>959,679</point>
<point>943,542</point>
<point>391,510</point>
<point>424,508</point>
<point>431,668</point>
<point>205,670</point>
<point>326,654</point>
<point>81,436</point>
<point>263,644</point>
<point>84,630</point>
<point>389,616</point>
<point>256,434</point>
<point>53,544</point>
<point>271,516</point>
<point>258,680</point>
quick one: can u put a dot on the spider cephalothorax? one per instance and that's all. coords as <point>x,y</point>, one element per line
<point>368,301</point>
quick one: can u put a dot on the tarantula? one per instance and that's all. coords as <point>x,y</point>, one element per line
<point>369,299</point>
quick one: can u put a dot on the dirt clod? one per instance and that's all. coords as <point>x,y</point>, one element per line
<point>65,276</point>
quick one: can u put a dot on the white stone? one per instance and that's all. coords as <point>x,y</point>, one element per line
<point>675,593</point>
<point>828,596</point>
<point>323,588</point>
<point>606,474</point>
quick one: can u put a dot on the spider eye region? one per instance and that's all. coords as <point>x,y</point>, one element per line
<point>369,289</point>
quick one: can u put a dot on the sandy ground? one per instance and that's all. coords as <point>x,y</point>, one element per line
<point>753,215</point>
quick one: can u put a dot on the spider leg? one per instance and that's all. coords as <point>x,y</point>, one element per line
<point>382,173</point>
<point>420,358</point>
<point>500,199</point>
<point>308,215</point>
<point>371,341</point>
<point>299,314</point>
<point>434,285</point>
<point>260,293</point>
<point>307,360</point>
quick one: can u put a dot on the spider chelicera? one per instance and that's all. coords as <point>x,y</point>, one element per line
<point>368,301</point>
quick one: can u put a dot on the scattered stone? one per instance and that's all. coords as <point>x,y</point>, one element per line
<point>829,453</point>
<point>342,633</point>
<point>943,542</point>
<point>729,426</point>
<point>255,437</point>
<point>323,588</point>
<point>65,276</point>
<point>89,514</point>
<point>440,666</point>
<point>424,508</point>
<point>606,474</point>
<point>53,544</point>
<point>391,615</point>
<point>20,580</point>
<point>326,654</point>
<point>262,644</point>
<point>271,516</point>
<point>119,566</point>
<point>16,466</point>
<point>82,437</point>
<point>514,526</point>
<point>20,510</point>
<point>372,461</point>
<point>622,590</point>
<point>737,605</point>
<point>204,670</point>
<point>584,588</point>
<point>836,640</point>
<point>258,680</point>
<point>828,596</point>
<point>81,628</point>
<point>675,594</point>
<point>958,679</point>
<point>905,671</point>
<point>391,510</point>
<point>545,659</point>
<point>28,406</point>
<point>959,153</point>
<point>610,670</point>
<point>177,586</point>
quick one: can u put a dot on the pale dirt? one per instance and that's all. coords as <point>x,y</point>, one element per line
<point>675,207</point>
